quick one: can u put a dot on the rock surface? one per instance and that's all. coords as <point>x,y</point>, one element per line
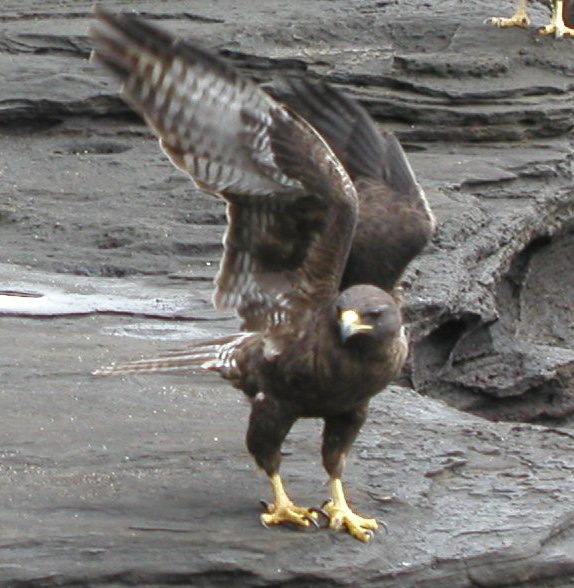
<point>108,254</point>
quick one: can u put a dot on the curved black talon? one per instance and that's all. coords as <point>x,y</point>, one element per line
<point>314,521</point>
<point>264,504</point>
<point>264,524</point>
<point>370,533</point>
<point>323,514</point>
<point>384,526</point>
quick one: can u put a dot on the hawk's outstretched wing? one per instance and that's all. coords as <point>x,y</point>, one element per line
<point>292,207</point>
<point>395,221</point>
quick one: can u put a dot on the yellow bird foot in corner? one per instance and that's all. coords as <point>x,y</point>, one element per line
<point>284,511</point>
<point>520,19</point>
<point>340,515</point>
<point>557,30</point>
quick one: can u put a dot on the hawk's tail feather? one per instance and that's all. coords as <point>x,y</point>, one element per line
<point>205,354</point>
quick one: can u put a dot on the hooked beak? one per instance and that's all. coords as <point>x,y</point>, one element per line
<point>350,324</point>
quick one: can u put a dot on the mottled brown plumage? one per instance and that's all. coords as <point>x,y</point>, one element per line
<point>322,329</point>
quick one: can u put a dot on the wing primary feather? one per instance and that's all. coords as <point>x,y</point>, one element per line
<point>194,101</point>
<point>338,118</point>
<point>353,136</point>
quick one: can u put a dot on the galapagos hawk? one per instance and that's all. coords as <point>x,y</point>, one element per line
<point>561,25</point>
<point>324,215</point>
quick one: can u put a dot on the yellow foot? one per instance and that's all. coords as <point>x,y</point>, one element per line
<point>557,30</point>
<point>287,512</point>
<point>518,20</point>
<point>283,510</point>
<point>340,515</point>
<point>357,526</point>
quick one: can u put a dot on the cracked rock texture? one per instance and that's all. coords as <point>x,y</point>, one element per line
<point>108,254</point>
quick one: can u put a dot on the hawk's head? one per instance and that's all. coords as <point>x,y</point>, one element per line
<point>367,313</point>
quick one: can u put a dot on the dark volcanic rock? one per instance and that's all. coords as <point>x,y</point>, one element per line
<point>108,254</point>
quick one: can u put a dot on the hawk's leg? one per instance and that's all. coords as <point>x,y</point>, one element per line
<point>339,434</point>
<point>557,27</point>
<point>269,423</point>
<point>518,19</point>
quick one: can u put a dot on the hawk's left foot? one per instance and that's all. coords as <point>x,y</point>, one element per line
<point>357,526</point>
<point>340,515</point>
<point>557,30</point>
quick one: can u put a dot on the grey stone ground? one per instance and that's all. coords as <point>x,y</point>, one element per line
<point>145,480</point>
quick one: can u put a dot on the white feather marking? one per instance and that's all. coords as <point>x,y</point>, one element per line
<point>174,106</point>
<point>156,73</point>
<point>160,97</point>
<point>178,68</point>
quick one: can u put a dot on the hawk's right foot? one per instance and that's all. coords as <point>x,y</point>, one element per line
<point>284,511</point>
<point>289,513</point>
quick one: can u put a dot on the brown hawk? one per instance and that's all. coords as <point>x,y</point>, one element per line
<point>324,215</point>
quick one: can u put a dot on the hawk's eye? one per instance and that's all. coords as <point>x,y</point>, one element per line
<point>374,313</point>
